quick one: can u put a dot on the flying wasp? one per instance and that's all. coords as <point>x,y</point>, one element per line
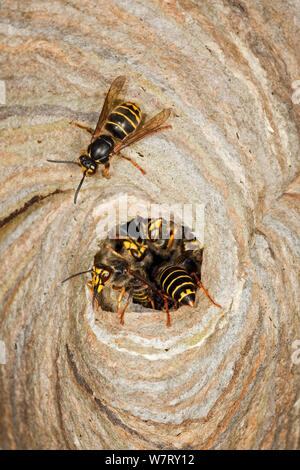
<point>117,128</point>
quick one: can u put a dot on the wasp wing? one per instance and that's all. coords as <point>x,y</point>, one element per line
<point>111,97</point>
<point>150,127</point>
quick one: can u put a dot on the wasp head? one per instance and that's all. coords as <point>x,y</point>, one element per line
<point>100,276</point>
<point>88,165</point>
<point>136,249</point>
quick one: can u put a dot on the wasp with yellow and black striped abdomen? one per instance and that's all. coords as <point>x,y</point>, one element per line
<point>181,280</point>
<point>144,296</point>
<point>176,282</point>
<point>117,128</point>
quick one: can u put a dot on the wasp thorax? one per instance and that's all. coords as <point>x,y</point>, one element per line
<point>87,164</point>
<point>120,267</point>
<point>100,149</point>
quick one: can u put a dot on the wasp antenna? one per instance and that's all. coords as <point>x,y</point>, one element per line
<point>116,253</point>
<point>64,161</point>
<point>77,274</point>
<point>79,186</point>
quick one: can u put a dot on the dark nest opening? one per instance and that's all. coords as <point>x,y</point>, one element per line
<point>147,263</point>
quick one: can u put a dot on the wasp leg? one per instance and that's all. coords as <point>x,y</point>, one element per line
<point>163,297</point>
<point>170,240</point>
<point>88,129</point>
<point>90,288</point>
<point>120,298</point>
<point>152,302</point>
<point>124,309</point>
<point>201,286</point>
<point>131,161</point>
<point>105,171</point>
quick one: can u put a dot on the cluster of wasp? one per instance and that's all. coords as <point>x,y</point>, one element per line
<point>152,270</point>
<point>146,266</point>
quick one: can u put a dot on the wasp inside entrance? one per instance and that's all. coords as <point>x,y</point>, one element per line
<point>155,264</point>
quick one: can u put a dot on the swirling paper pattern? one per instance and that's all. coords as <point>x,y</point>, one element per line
<point>216,379</point>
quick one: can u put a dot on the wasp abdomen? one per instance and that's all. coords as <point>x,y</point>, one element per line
<point>142,296</point>
<point>178,284</point>
<point>123,120</point>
